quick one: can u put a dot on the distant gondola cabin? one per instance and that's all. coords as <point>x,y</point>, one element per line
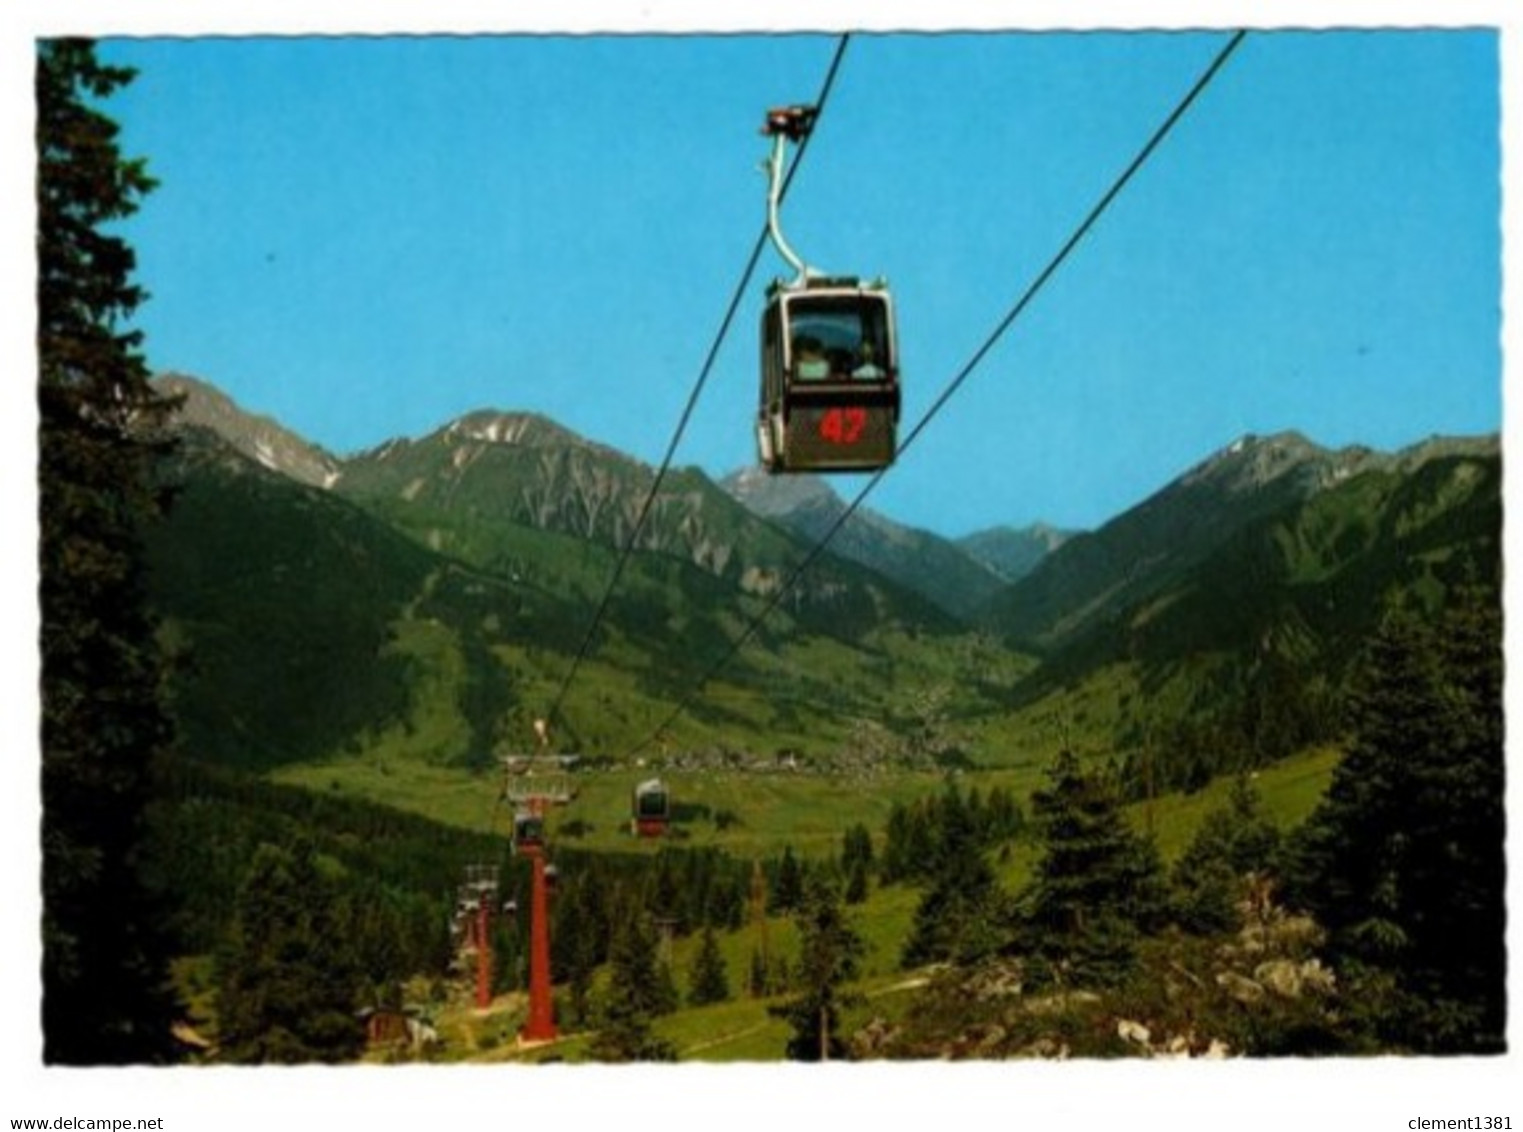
<point>830,377</point>
<point>652,805</point>
<point>528,832</point>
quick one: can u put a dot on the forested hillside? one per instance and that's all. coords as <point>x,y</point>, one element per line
<point>1226,638</point>
<point>310,625</point>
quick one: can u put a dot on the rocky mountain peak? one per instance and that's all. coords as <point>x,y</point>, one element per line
<point>771,496</point>
<point>1251,461</point>
<point>491,426</point>
<point>1013,552</point>
<point>260,438</point>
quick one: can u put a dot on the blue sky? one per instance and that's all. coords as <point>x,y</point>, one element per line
<point>367,236</point>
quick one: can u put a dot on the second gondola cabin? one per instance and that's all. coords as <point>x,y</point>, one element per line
<point>528,833</point>
<point>652,809</point>
<point>830,377</point>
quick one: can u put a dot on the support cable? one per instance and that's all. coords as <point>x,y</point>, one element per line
<point>956,383</point>
<point>585,647</point>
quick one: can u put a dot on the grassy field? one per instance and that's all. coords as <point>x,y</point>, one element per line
<point>799,810</point>
<point>1290,790</point>
<point>771,809</point>
<point>739,1030</point>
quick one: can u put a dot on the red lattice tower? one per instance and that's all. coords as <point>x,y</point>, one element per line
<point>534,783</point>
<point>475,906</point>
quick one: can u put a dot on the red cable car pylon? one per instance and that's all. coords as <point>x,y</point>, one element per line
<point>540,1026</point>
<point>534,784</point>
<point>483,956</point>
<point>475,905</point>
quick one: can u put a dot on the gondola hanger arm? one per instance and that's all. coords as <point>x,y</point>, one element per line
<point>785,124</point>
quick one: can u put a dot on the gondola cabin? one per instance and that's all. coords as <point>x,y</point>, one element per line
<point>830,377</point>
<point>528,833</point>
<point>652,809</point>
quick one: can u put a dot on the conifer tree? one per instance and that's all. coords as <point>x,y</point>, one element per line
<point>579,934</point>
<point>787,889</point>
<point>857,882</point>
<point>758,978</point>
<point>958,918</point>
<point>1003,815</point>
<point>1233,841</point>
<point>897,861</point>
<point>105,960</point>
<point>910,848</point>
<point>287,973</point>
<point>636,994</point>
<point>711,981</point>
<point>829,953</point>
<point>856,849</point>
<point>1404,859</point>
<point>1098,886</point>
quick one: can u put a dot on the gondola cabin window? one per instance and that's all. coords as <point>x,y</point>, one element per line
<point>838,339</point>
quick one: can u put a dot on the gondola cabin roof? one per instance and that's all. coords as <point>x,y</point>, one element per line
<point>652,799</point>
<point>652,808</point>
<point>815,283</point>
<point>827,290</point>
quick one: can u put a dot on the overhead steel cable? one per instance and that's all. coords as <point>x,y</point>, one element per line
<point>957,381</point>
<point>648,503</point>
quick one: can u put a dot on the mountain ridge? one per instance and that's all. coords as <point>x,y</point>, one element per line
<point>932,565</point>
<point>519,467</point>
<point>1251,577</point>
<point>1094,575</point>
<point>261,438</point>
<point>308,627</point>
<point>1013,552</point>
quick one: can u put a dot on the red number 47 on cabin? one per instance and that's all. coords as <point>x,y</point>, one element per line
<point>843,426</point>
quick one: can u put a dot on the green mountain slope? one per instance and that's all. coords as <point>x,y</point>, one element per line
<point>285,606</point>
<point>472,489</point>
<point>431,628</point>
<point>1094,578</point>
<point>1242,654</point>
